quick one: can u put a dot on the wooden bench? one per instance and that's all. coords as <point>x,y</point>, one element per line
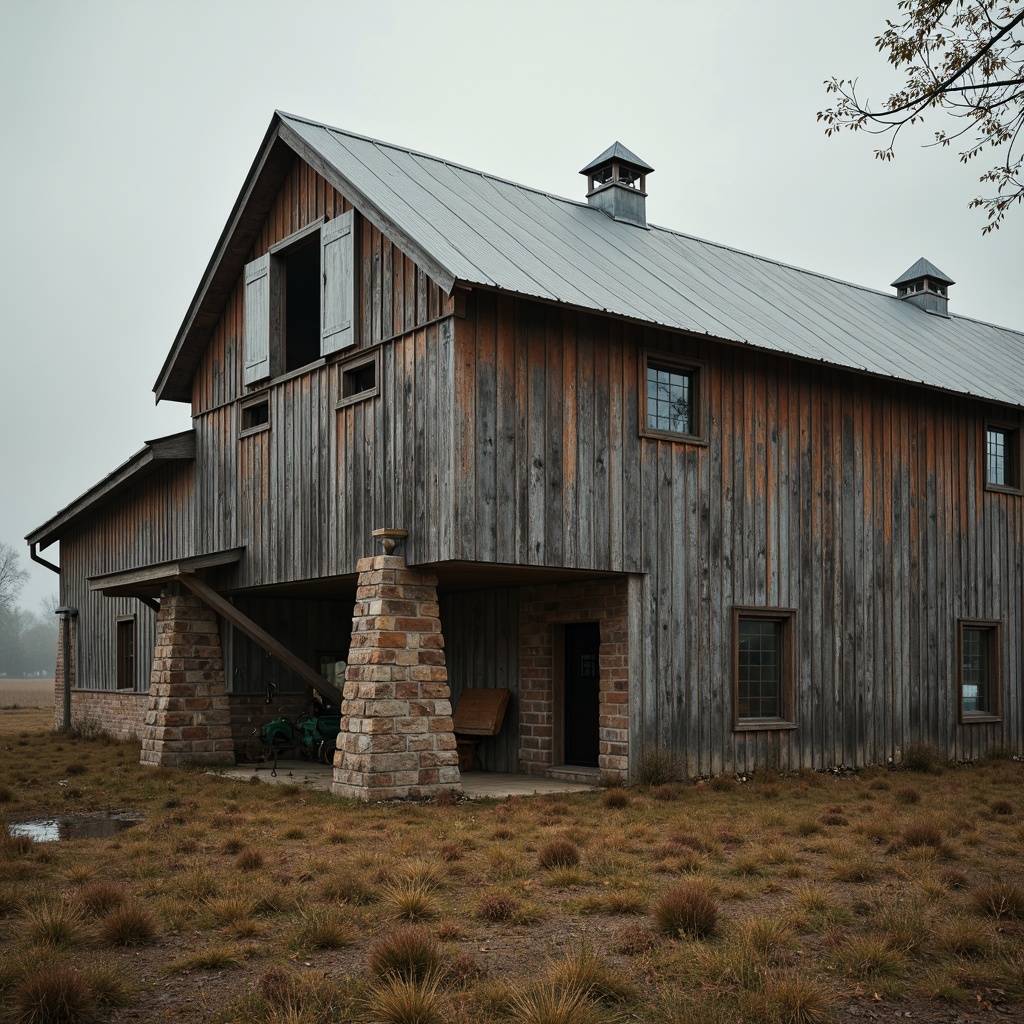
<point>480,712</point>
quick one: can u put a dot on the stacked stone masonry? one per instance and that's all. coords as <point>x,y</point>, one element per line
<point>396,739</point>
<point>188,721</point>
<point>542,610</point>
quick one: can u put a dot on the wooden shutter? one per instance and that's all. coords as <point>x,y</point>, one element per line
<point>337,308</point>
<point>257,319</point>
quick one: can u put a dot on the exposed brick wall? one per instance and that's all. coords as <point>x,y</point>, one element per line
<point>396,739</point>
<point>187,720</point>
<point>58,691</point>
<point>541,611</point>
<point>118,713</point>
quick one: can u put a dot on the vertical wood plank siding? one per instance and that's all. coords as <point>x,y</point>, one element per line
<point>857,502</point>
<point>511,436</point>
<point>481,637</point>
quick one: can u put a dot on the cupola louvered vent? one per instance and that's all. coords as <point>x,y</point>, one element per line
<point>925,286</point>
<point>616,185</point>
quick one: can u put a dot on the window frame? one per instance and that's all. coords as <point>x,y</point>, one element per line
<point>786,618</point>
<point>994,712</point>
<point>264,321</point>
<point>121,658</point>
<point>1015,470</point>
<point>351,365</point>
<point>697,369</point>
<point>263,398</point>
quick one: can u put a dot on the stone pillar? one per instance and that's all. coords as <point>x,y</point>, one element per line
<point>58,683</point>
<point>188,720</point>
<point>396,739</point>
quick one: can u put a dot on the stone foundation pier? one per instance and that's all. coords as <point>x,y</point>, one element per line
<point>396,739</point>
<point>188,720</point>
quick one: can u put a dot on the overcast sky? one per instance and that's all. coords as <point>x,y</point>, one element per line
<point>130,128</point>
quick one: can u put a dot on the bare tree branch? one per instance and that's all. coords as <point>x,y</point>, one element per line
<point>961,58</point>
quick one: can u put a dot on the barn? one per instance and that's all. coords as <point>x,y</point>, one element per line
<point>663,493</point>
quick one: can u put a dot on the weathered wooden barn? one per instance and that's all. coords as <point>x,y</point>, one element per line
<point>672,494</point>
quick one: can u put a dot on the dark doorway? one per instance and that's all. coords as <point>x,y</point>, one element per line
<point>582,693</point>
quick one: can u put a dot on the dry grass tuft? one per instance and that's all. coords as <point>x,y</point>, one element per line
<point>53,995</point>
<point>796,1000</point>
<point>321,928</point>
<point>130,924</point>
<point>249,860</point>
<point>907,795</point>
<point>402,1001</point>
<point>53,923</point>
<point>616,797</point>
<point>687,909</point>
<point>497,906</point>
<point>410,899</point>
<point>583,970</point>
<point>406,952</point>
<point>559,853</point>
<point>1001,900</point>
<point>634,940</point>
<point>548,1004</point>
<point>100,897</point>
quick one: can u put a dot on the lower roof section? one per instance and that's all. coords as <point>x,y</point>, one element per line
<point>148,580</point>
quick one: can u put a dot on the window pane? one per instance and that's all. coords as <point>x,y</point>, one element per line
<point>996,450</point>
<point>975,675</point>
<point>669,396</point>
<point>760,669</point>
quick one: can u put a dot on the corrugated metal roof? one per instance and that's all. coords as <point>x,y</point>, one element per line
<point>488,231</point>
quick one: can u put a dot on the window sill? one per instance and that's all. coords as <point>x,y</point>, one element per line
<point>979,718</point>
<point>261,428</point>
<point>761,725</point>
<point>1003,489</point>
<point>668,435</point>
<point>363,396</point>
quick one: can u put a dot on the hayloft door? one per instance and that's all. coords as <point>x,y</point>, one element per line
<point>582,692</point>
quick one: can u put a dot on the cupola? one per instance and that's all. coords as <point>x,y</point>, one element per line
<point>925,286</point>
<point>617,181</point>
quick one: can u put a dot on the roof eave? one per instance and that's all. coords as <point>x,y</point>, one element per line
<point>279,147</point>
<point>180,447</point>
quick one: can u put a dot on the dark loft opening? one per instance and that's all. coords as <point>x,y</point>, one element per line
<point>302,304</point>
<point>359,379</point>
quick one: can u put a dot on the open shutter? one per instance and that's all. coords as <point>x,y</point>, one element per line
<point>257,319</point>
<point>337,310</point>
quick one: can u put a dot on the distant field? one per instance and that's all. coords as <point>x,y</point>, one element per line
<point>26,693</point>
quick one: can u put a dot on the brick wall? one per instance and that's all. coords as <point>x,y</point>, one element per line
<point>542,610</point>
<point>58,691</point>
<point>118,713</point>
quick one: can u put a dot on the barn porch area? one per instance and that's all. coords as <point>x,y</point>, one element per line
<point>476,785</point>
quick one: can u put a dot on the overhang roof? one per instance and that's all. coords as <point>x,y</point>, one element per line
<point>156,453</point>
<point>465,227</point>
<point>148,580</point>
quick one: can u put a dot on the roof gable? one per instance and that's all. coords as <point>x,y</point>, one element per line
<point>463,226</point>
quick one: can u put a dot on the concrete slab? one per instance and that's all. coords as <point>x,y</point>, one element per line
<point>475,785</point>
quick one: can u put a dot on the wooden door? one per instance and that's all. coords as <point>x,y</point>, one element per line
<point>582,693</point>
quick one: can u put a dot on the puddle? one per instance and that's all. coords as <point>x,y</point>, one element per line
<point>82,826</point>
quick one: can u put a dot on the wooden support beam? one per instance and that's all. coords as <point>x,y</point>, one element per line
<point>151,603</point>
<point>224,608</point>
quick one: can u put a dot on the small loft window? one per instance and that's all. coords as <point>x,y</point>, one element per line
<point>255,416</point>
<point>359,379</point>
<point>126,653</point>
<point>762,668</point>
<point>671,398</point>
<point>1002,457</point>
<point>978,671</point>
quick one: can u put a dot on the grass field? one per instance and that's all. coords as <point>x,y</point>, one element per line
<point>779,900</point>
<point>26,693</point>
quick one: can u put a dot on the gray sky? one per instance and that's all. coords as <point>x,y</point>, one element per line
<point>130,128</point>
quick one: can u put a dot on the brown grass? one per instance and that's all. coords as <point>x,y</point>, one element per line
<point>911,907</point>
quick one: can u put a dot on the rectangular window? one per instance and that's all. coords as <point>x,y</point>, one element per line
<point>359,379</point>
<point>670,405</point>
<point>979,671</point>
<point>255,416</point>
<point>300,300</point>
<point>126,653</point>
<point>1002,457</point>
<point>762,668</point>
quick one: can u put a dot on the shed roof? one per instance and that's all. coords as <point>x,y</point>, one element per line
<point>466,227</point>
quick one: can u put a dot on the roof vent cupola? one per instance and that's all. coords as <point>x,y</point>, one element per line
<point>925,286</point>
<point>617,182</point>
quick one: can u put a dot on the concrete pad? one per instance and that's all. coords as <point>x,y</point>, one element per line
<point>475,785</point>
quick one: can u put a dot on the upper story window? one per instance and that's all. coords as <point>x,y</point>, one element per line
<point>1002,457</point>
<point>670,404</point>
<point>300,300</point>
